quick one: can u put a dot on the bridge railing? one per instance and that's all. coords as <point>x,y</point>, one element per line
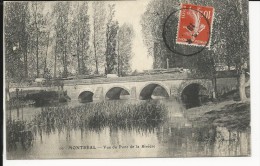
<point>49,83</point>
<point>158,77</point>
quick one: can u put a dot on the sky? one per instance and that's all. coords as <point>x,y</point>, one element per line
<point>131,12</point>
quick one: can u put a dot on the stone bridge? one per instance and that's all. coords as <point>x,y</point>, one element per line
<point>134,87</point>
<point>137,90</point>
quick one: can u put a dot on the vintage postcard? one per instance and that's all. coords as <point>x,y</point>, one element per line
<point>126,79</point>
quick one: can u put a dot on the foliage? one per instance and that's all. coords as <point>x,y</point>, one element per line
<point>80,34</point>
<point>38,37</point>
<point>55,39</point>
<point>99,33</point>
<point>61,12</point>
<point>28,43</point>
<point>16,36</point>
<point>16,133</point>
<point>152,25</point>
<point>111,34</point>
<point>125,41</point>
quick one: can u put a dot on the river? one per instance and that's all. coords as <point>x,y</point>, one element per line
<point>175,138</point>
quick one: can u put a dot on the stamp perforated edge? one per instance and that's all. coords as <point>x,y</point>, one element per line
<point>211,28</point>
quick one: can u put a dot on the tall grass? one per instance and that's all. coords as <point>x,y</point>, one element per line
<point>16,132</point>
<point>98,115</point>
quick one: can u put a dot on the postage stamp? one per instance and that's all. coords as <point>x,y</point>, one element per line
<point>195,25</point>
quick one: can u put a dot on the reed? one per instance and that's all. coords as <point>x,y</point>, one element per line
<point>98,115</point>
<point>17,132</point>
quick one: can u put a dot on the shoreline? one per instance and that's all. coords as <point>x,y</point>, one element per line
<point>230,114</point>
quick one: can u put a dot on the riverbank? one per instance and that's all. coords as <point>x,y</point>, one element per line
<point>230,114</point>
<point>37,98</point>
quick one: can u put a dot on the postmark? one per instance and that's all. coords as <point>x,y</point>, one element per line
<point>194,28</point>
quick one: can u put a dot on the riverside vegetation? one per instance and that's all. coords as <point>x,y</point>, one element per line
<point>93,116</point>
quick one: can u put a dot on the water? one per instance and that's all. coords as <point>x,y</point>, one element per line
<point>175,138</point>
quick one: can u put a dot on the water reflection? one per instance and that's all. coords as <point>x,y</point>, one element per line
<point>176,137</point>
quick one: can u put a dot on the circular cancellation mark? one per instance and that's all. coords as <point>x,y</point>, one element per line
<point>188,32</point>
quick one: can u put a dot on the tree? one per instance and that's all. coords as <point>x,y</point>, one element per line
<point>111,34</point>
<point>99,32</point>
<point>48,42</point>
<point>79,36</point>
<point>16,38</point>
<point>25,36</point>
<point>61,12</point>
<point>84,35</point>
<point>152,27</point>
<point>237,43</point>
<point>125,42</point>
<point>39,35</point>
<point>35,15</point>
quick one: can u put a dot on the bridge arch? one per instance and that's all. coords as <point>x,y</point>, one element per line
<point>86,96</point>
<point>194,95</point>
<point>117,93</point>
<point>154,90</point>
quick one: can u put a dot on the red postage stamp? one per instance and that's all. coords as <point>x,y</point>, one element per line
<point>195,25</point>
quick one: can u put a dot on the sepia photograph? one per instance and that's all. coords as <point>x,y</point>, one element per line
<point>126,79</point>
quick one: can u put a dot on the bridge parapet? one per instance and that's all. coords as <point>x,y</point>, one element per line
<point>144,78</point>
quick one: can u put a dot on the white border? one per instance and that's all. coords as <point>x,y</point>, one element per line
<point>237,161</point>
